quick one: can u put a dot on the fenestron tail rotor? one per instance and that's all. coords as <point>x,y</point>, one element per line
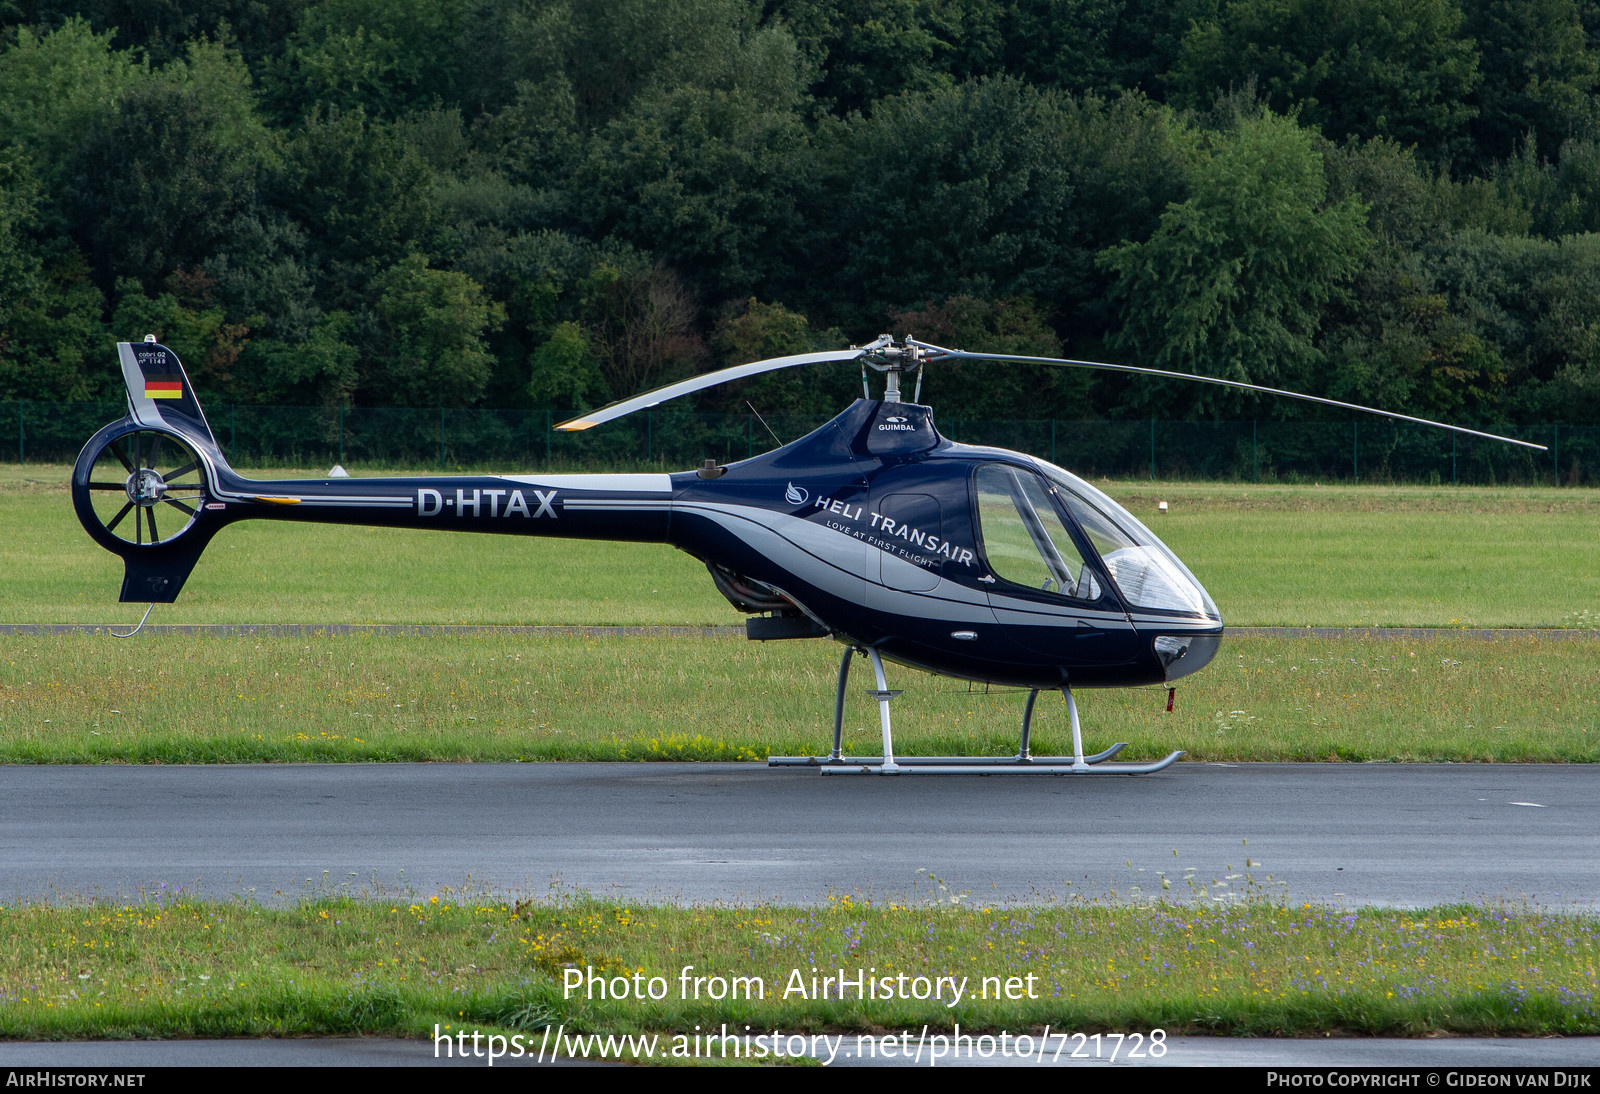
<point>145,488</point>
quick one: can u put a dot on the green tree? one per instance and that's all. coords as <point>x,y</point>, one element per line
<point>215,73</point>
<point>583,63</point>
<point>753,331</point>
<point>57,86</point>
<point>1063,43</point>
<point>1534,306</point>
<point>1575,200</point>
<point>1234,282</point>
<point>1565,344</point>
<point>205,341</point>
<point>1406,202</point>
<point>320,369</point>
<point>868,50</point>
<point>641,324</point>
<point>434,323</point>
<point>749,330</point>
<point>1146,39</point>
<point>19,267</point>
<point>1401,343</point>
<point>155,187</point>
<point>56,345</point>
<point>965,190</point>
<point>512,46</point>
<point>162,29</point>
<point>1537,76</point>
<point>564,374</point>
<point>384,57</point>
<point>1364,68</point>
<point>365,199</point>
<point>1127,160</point>
<point>709,181</point>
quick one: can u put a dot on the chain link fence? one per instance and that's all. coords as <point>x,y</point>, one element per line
<point>1368,450</point>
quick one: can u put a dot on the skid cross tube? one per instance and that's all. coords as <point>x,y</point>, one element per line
<point>1023,763</point>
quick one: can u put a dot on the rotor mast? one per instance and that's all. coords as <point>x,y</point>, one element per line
<point>883,354</point>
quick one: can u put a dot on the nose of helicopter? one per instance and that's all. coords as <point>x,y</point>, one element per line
<point>1190,649</point>
<point>1182,654</point>
<point>1167,605</point>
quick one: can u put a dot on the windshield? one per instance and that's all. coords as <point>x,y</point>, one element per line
<point>1144,569</point>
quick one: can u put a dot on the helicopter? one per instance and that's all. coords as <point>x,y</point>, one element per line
<point>976,563</point>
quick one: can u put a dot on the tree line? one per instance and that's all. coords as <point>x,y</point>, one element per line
<point>554,203</point>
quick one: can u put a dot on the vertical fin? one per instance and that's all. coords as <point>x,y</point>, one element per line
<point>159,392</point>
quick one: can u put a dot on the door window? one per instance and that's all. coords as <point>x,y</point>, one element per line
<point>1024,538</point>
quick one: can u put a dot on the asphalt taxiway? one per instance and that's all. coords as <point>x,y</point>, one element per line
<point>1390,834</point>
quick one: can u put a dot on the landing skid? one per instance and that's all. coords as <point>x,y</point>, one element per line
<point>1023,763</point>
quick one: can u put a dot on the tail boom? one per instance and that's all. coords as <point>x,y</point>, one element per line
<point>154,488</point>
<point>617,507</point>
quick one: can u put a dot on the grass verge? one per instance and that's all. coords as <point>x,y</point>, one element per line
<point>177,967</point>
<point>204,699</point>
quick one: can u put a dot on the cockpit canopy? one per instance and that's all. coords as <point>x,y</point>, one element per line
<point>1038,528</point>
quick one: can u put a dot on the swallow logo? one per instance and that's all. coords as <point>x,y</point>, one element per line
<point>894,419</point>
<point>795,495</point>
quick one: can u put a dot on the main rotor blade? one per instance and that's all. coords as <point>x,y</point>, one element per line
<point>696,383</point>
<point>941,354</point>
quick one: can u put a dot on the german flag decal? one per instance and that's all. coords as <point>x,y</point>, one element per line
<point>163,387</point>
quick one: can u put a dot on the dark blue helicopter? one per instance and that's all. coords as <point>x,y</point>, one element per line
<point>978,563</point>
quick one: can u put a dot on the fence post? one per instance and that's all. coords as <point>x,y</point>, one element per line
<point>22,433</point>
<point>1555,452</point>
<point>1152,448</point>
<point>1255,458</point>
<point>1454,437</point>
<point>1355,454</point>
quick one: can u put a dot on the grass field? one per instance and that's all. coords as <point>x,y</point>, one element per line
<point>1269,556</point>
<point>192,699</point>
<point>403,963</point>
